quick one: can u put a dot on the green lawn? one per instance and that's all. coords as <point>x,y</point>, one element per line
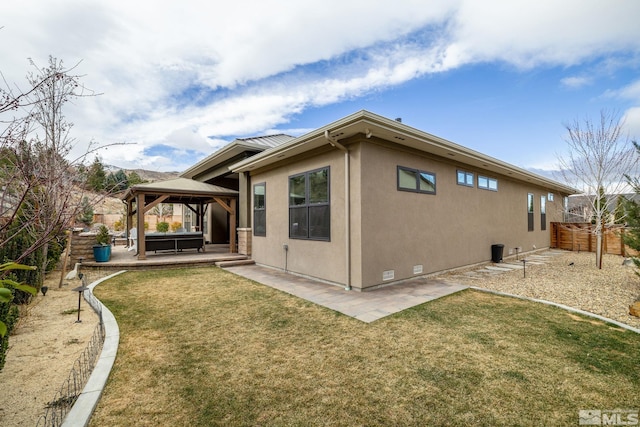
<point>205,347</point>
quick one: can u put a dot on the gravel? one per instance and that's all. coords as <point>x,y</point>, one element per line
<point>564,277</point>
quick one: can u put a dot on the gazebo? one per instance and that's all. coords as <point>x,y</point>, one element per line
<point>195,195</point>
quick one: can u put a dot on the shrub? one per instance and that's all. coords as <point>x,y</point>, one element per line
<point>103,238</point>
<point>162,227</point>
<point>175,226</point>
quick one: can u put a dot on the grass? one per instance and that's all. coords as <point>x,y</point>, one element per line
<point>203,347</point>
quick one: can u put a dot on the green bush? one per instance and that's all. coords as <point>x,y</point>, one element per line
<point>162,227</point>
<point>9,315</point>
<point>103,238</point>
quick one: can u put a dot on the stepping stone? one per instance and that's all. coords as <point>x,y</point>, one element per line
<point>511,266</point>
<point>494,268</point>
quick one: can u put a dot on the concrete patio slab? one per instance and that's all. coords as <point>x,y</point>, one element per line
<point>367,306</point>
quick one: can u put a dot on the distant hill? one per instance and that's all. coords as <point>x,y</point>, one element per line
<point>145,175</point>
<point>152,176</point>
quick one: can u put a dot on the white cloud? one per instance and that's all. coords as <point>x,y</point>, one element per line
<point>258,63</point>
<point>575,82</point>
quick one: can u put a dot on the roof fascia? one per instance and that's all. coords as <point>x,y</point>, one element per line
<point>399,133</point>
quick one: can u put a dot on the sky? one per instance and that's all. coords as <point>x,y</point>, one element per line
<point>178,80</point>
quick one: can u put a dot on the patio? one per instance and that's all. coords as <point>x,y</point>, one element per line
<point>123,259</point>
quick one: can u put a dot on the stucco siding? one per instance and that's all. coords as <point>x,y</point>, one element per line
<point>324,260</point>
<point>408,232</point>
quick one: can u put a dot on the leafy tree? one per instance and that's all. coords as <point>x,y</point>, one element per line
<point>117,182</point>
<point>135,179</point>
<point>599,156</point>
<point>96,176</point>
<point>86,214</point>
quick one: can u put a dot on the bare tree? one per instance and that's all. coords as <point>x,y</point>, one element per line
<point>39,192</point>
<point>600,155</point>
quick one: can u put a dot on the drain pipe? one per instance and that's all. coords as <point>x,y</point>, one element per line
<point>347,198</point>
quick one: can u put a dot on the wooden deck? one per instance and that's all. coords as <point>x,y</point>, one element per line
<point>122,259</point>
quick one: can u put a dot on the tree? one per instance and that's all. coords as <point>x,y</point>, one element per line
<point>39,196</point>
<point>135,179</point>
<point>86,212</point>
<point>96,176</point>
<point>600,154</point>
<point>162,210</point>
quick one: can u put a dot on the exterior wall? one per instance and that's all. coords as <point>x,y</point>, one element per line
<point>455,227</point>
<point>320,259</point>
<point>398,230</point>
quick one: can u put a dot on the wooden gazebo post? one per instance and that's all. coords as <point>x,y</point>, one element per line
<point>140,211</point>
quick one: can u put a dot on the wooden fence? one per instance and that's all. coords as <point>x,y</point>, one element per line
<point>574,236</point>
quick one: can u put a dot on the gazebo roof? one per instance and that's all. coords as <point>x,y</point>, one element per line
<point>180,190</point>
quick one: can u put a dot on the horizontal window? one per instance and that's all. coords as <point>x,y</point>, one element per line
<point>416,180</point>
<point>487,183</point>
<point>465,178</point>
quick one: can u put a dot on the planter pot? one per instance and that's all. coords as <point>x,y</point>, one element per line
<point>102,253</point>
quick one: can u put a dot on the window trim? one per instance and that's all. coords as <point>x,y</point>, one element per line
<point>308,205</point>
<point>489,181</point>
<point>263,209</point>
<point>467,174</point>
<point>417,173</point>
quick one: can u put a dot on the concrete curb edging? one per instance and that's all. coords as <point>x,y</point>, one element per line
<point>562,306</point>
<point>81,412</point>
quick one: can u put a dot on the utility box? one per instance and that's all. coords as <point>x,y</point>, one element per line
<point>496,252</point>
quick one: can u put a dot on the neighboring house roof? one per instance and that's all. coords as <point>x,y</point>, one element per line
<point>234,151</point>
<point>367,123</point>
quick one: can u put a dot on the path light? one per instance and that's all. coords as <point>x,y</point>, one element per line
<point>80,290</point>
<point>44,290</point>
<point>524,267</point>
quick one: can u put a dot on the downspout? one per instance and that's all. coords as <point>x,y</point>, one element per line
<point>347,198</point>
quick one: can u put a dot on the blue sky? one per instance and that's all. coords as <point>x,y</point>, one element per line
<point>181,79</point>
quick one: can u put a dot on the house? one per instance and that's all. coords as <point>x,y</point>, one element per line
<point>368,201</point>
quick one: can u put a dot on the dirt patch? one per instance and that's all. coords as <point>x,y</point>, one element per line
<point>42,350</point>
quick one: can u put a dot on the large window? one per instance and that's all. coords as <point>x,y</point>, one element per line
<point>530,211</point>
<point>309,205</point>
<point>465,178</point>
<point>487,183</point>
<point>260,209</point>
<point>416,180</point>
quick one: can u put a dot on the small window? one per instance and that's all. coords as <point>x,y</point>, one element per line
<point>550,197</point>
<point>309,208</point>
<point>465,178</point>
<point>487,183</point>
<point>416,180</point>
<point>259,209</point>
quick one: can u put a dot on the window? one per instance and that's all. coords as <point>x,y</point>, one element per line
<point>543,213</point>
<point>487,183</point>
<point>550,197</point>
<point>465,178</point>
<point>416,180</point>
<point>259,209</point>
<point>309,207</point>
<point>530,211</point>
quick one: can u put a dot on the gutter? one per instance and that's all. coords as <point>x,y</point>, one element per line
<point>347,198</point>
